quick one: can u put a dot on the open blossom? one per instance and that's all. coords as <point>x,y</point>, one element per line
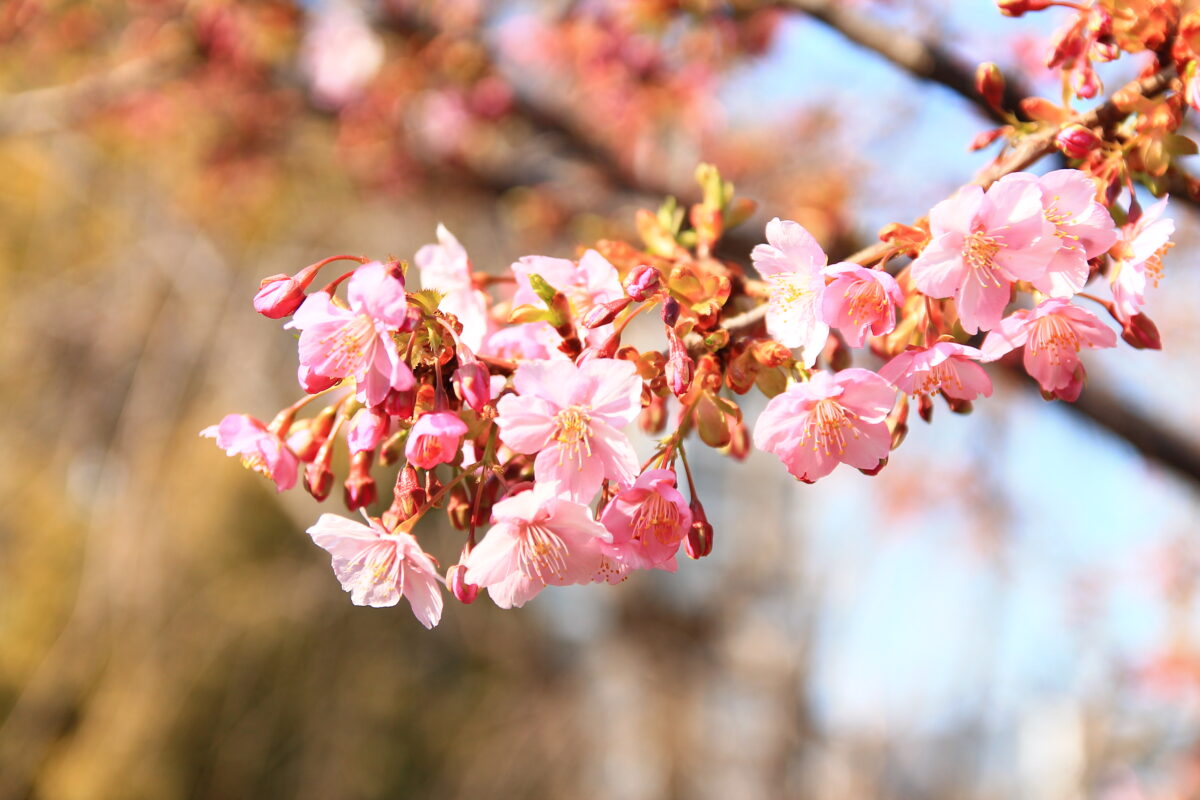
<point>1052,334</point>
<point>445,268</point>
<point>368,426</point>
<point>832,418</point>
<point>538,540</point>
<point>586,283</point>
<point>572,416</point>
<point>528,341</point>
<point>1137,259</point>
<point>947,367</point>
<point>261,450</point>
<point>791,262</point>
<point>339,54</point>
<point>1084,228</point>
<point>858,300</point>
<point>377,567</point>
<point>338,342</point>
<point>982,243</point>
<point>647,520</point>
<point>434,439</point>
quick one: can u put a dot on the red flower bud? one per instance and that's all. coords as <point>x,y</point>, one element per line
<point>700,535</point>
<point>360,486</point>
<point>670,312</point>
<point>680,367</point>
<point>1015,8</point>
<point>278,296</point>
<point>1141,332</point>
<point>456,579</point>
<point>1076,141</point>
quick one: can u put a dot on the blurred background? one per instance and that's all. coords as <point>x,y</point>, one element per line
<point>1008,610</point>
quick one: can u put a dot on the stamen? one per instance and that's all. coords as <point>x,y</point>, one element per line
<point>1055,335</point>
<point>574,434</point>
<point>347,346</point>
<point>542,554</point>
<point>979,251</point>
<point>658,517</point>
<point>826,427</point>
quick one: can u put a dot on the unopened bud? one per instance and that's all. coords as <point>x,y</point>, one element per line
<point>604,313</point>
<point>680,367</point>
<point>318,479</point>
<point>670,312</point>
<point>642,282</point>
<point>1076,141</point>
<point>770,353</point>
<point>407,498</point>
<point>456,579</point>
<point>700,536</point>
<point>1015,8</point>
<point>984,138</point>
<point>1141,332</point>
<point>472,384</point>
<point>989,82</point>
<point>278,296</point>
<point>360,486</point>
<point>739,438</point>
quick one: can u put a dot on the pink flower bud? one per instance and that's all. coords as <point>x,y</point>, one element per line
<point>472,384</point>
<point>457,581</point>
<point>360,486</point>
<point>407,497</point>
<point>1015,8</point>
<point>318,479</point>
<point>278,296</point>
<point>642,282</point>
<point>604,313</point>
<point>1076,141</point>
<point>680,367</point>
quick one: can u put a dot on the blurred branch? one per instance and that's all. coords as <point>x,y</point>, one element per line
<point>922,59</point>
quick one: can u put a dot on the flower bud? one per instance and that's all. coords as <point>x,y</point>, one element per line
<point>456,579</point>
<point>1141,332</point>
<point>1076,141</point>
<point>984,138</point>
<point>278,296</point>
<point>670,312</point>
<point>700,535</point>
<point>318,478</point>
<point>458,507</point>
<point>1015,8</point>
<point>472,384</point>
<point>989,82</point>
<point>739,438</point>
<point>311,382</point>
<point>604,313</point>
<point>680,367</point>
<point>642,282</point>
<point>407,498</point>
<point>360,486</point>
<point>399,403</point>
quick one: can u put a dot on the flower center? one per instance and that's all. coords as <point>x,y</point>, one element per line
<point>1070,241</point>
<point>868,301</point>
<point>826,427</point>
<point>347,346</point>
<point>542,554</point>
<point>941,375</point>
<point>1055,335</point>
<point>429,448</point>
<point>979,251</point>
<point>656,517</point>
<point>256,462</point>
<point>573,433</point>
<point>788,288</point>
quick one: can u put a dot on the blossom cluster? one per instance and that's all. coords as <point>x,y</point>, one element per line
<point>505,398</point>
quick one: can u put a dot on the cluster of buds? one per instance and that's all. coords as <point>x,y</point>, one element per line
<point>503,400</point>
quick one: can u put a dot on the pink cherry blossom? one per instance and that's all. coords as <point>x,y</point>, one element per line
<point>1084,228</point>
<point>982,243</point>
<point>1052,335</point>
<point>571,417</point>
<point>538,540</point>
<point>434,439</point>
<point>832,418</point>
<point>947,367</point>
<point>261,450</point>
<point>445,268</point>
<point>339,342</point>
<point>377,567</point>
<point>1137,259</point>
<point>791,262</point>
<point>859,299</point>
<point>647,520</point>
<point>586,283</point>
